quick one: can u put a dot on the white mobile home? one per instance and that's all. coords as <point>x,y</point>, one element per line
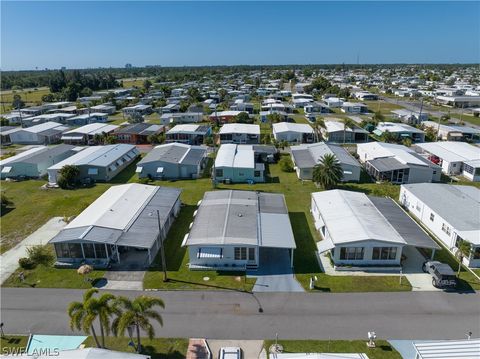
<point>293,132</point>
<point>450,212</point>
<point>181,117</point>
<point>354,107</point>
<point>455,158</point>
<point>237,164</point>
<point>238,230</point>
<point>240,133</point>
<point>335,131</point>
<point>43,134</point>
<point>97,163</point>
<point>306,157</point>
<point>85,135</point>
<point>400,131</point>
<point>360,231</point>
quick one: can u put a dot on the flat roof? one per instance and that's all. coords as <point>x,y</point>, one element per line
<point>309,155</point>
<point>175,153</point>
<point>237,156</point>
<point>188,128</point>
<point>232,217</point>
<point>92,129</point>
<point>123,215</point>
<point>397,127</point>
<point>240,128</point>
<point>402,153</point>
<point>448,349</point>
<point>458,205</point>
<point>452,151</point>
<point>353,217</point>
<point>97,155</point>
<point>292,127</point>
<point>42,127</point>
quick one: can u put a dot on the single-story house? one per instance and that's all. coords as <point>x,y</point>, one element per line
<point>238,164</point>
<point>314,108</point>
<point>86,118</point>
<point>301,102</point>
<point>354,107</point>
<point>170,108</point>
<point>42,134</point>
<point>137,133</point>
<point>264,115</point>
<point>453,132</point>
<point>305,157</point>
<point>400,131</point>
<point>240,105</point>
<point>224,116</point>
<point>365,96</point>
<point>360,230</point>
<point>125,226</point>
<point>139,109</point>
<point>396,163</point>
<point>239,133</point>
<point>335,131</point>
<point>13,118</point>
<point>464,348</point>
<point>181,117</point>
<point>104,108</point>
<point>97,163</point>
<point>85,135</point>
<point>293,132</point>
<point>410,117</point>
<point>333,102</point>
<point>455,158</point>
<point>188,133</point>
<point>33,163</point>
<point>173,161</point>
<point>82,353</point>
<point>34,110</point>
<point>449,212</point>
<point>458,101</point>
<point>4,135</point>
<point>236,230</point>
<point>47,117</point>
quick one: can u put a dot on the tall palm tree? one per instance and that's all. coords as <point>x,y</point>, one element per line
<point>328,172</point>
<point>83,314</point>
<point>464,249</point>
<point>318,125</point>
<point>347,123</point>
<point>137,313</point>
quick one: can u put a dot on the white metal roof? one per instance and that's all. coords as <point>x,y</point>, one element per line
<point>93,128</point>
<point>115,208</point>
<point>401,153</point>
<point>292,127</point>
<point>22,155</point>
<point>452,151</point>
<point>319,356</point>
<point>237,156</point>
<point>42,127</point>
<point>183,128</point>
<point>240,128</point>
<point>352,217</point>
<point>448,349</point>
<point>397,127</point>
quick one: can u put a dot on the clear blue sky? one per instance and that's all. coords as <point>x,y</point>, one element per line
<point>93,34</point>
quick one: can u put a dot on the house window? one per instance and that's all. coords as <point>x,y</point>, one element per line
<point>351,253</point>
<point>384,253</point>
<point>241,174</point>
<point>251,254</point>
<point>446,229</point>
<point>432,217</point>
<point>240,253</point>
<point>219,173</point>
<point>476,253</point>
<point>256,173</point>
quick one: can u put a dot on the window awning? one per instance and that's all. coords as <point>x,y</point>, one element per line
<point>6,169</point>
<point>93,171</point>
<point>139,169</point>
<point>160,170</point>
<point>325,245</point>
<point>209,252</point>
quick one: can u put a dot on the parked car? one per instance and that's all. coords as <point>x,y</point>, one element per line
<point>230,353</point>
<point>442,275</point>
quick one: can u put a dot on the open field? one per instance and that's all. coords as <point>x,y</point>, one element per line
<point>383,350</point>
<point>382,106</point>
<point>31,97</point>
<point>13,342</point>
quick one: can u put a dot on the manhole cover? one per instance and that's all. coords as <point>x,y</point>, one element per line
<point>206,279</point>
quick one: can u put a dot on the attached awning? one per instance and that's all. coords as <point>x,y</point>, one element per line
<point>139,169</point>
<point>210,252</point>
<point>93,171</point>
<point>325,245</point>
<point>119,162</point>
<point>113,168</point>
<point>72,138</point>
<point>6,169</point>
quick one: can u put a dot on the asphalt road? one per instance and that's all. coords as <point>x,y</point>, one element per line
<point>235,315</point>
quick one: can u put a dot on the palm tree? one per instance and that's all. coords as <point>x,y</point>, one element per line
<point>328,172</point>
<point>464,249</point>
<point>83,314</point>
<point>347,123</point>
<point>138,313</point>
<point>318,125</point>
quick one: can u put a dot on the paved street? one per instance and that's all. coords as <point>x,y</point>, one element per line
<point>235,315</point>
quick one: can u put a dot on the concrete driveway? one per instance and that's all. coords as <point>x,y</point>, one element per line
<point>412,269</point>
<point>9,259</point>
<point>251,348</point>
<point>275,273</point>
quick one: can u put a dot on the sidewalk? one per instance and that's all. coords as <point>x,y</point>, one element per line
<point>9,259</point>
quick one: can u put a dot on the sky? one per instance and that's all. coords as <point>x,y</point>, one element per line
<point>82,34</point>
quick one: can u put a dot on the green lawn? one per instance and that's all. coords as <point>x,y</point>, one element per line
<point>158,348</point>
<point>383,350</point>
<point>13,342</point>
<point>30,97</point>
<point>382,106</point>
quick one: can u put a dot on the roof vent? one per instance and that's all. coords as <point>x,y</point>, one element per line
<point>240,215</point>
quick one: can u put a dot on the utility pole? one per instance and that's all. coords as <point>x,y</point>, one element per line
<point>162,249</point>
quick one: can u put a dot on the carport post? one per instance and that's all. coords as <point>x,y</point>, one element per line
<point>291,257</point>
<point>433,254</point>
<point>162,249</point>
<point>118,254</point>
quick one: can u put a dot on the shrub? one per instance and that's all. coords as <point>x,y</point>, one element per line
<point>144,180</point>
<point>286,164</point>
<point>26,263</point>
<point>40,254</point>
